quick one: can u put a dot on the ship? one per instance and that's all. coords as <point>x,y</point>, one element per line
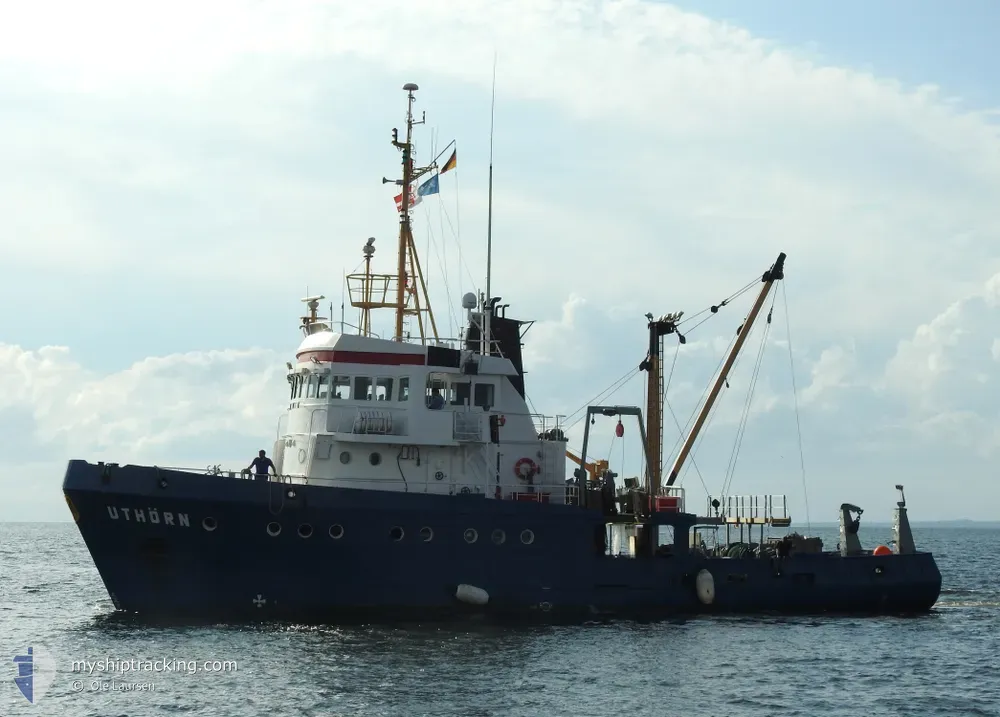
<point>411,481</point>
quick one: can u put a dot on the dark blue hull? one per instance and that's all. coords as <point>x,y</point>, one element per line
<point>177,544</point>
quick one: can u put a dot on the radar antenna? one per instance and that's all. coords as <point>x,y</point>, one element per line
<point>312,322</point>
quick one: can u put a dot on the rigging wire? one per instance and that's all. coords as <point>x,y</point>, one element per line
<point>458,224</point>
<point>715,309</point>
<point>691,456</point>
<point>745,417</point>
<point>698,443</point>
<point>462,264</point>
<point>680,431</point>
<point>452,319</point>
<point>795,396</point>
<point>606,393</point>
<point>718,368</point>
<point>701,399</point>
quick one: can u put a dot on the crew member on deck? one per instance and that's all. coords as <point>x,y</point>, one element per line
<point>435,402</point>
<point>610,502</point>
<point>263,465</point>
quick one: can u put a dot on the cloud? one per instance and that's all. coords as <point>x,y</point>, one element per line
<point>946,374</point>
<point>832,372</point>
<point>145,411</point>
<point>646,159</point>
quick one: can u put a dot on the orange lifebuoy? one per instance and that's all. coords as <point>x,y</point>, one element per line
<point>532,469</point>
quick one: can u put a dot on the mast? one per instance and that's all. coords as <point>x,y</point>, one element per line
<point>488,308</point>
<point>404,208</point>
<point>658,328</point>
<point>375,291</point>
<point>775,273</point>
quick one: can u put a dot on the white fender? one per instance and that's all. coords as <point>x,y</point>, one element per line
<point>472,595</point>
<point>704,585</point>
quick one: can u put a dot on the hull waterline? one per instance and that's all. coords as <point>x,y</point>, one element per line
<point>175,544</point>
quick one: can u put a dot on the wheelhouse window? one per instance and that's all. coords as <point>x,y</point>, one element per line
<point>341,387</point>
<point>383,388</point>
<point>483,395</point>
<point>461,392</point>
<point>404,388</point>
<point>438,391</point>
<point>362,388</point>
<point>311,384</point>
<point>323,389</point>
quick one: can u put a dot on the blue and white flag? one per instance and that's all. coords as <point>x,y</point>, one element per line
<point>428,187</point>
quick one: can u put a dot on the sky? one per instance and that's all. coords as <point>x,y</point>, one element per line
<point>176,177</point>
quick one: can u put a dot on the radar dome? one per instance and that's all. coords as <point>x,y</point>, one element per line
<point>469,301</point>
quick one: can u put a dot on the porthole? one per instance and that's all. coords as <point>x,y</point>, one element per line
<point>426,534</point>
<point>498,536</point>
<point>471,535</point>
<point>209,524</point>
<point>527,537</point>
<point>305,530</point>
<point>273,529</point>
<point>345,457</point>
<point>375,458</point>
<point>336,532</point>
<point>396,533</point>
<point>290,493</point>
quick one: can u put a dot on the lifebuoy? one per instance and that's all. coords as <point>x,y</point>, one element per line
<point>503,420</point>
<point>526,469</point>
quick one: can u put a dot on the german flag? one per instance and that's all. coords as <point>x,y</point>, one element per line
<point>450,164</point>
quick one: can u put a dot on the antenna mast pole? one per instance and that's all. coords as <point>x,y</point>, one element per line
<point>488,309</point>
<point>404,208</point>
<point>374,291</point>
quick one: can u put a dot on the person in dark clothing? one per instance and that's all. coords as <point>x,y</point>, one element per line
<point>262,465</point>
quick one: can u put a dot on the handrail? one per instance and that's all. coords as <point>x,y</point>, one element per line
<point>483,486</point>
<point>763,506</point>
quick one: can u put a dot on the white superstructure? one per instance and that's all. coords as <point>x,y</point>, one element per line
<point>371,413</point>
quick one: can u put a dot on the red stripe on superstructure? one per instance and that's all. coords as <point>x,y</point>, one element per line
<point>365,357</point>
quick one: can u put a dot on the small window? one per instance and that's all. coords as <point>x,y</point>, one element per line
<point>461,392</point>
<point>324,386</point>
<point>383,389</point>
<point>404,388</point>
<point>484,395</point>
<point>362,388</point>
<point>311,386</point>
<point>342,387</point>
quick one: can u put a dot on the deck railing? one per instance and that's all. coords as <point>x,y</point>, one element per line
<point>544,424</point>
<point>751,509</point>
<point>483,485</point>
